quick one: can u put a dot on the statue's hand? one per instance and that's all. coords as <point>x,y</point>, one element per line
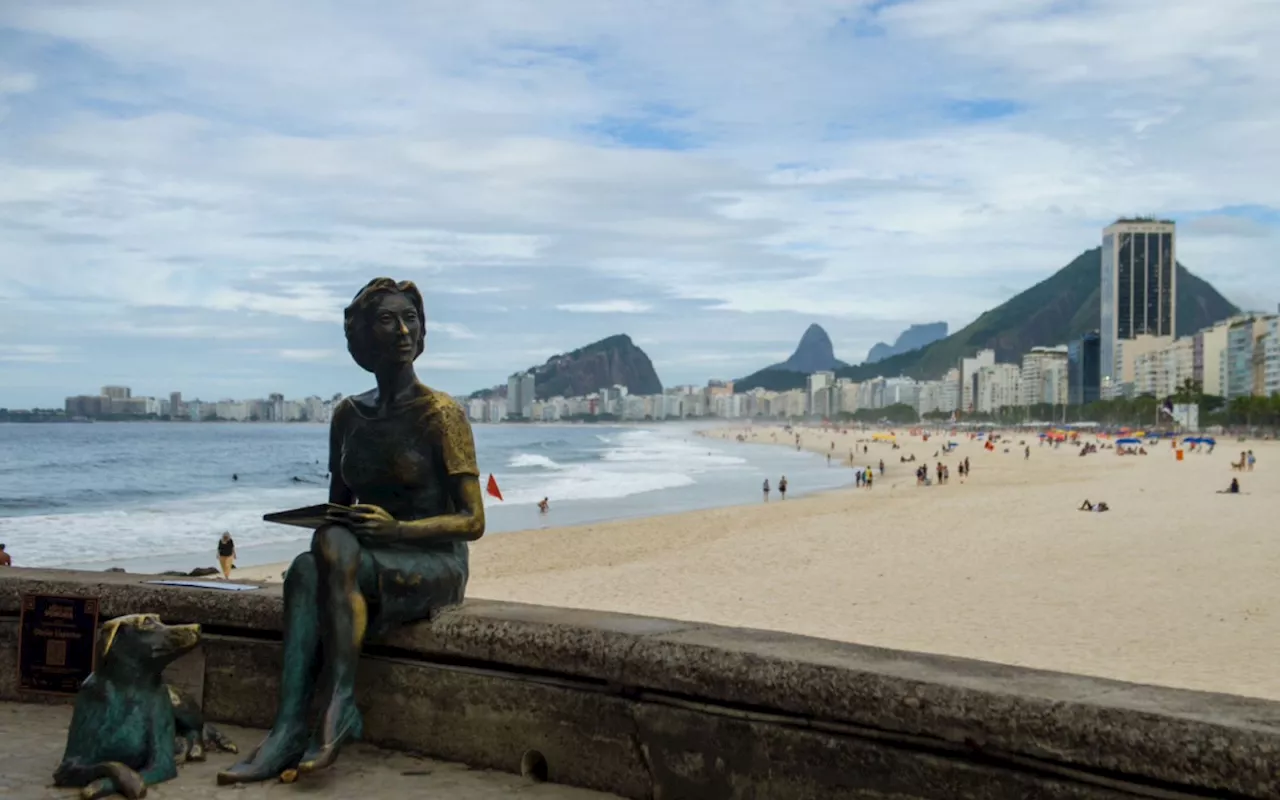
<point>372,521</point>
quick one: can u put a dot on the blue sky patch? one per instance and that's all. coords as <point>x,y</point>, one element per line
<point>980,110</point>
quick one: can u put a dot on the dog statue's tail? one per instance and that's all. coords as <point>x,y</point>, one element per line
<point>100,780</point>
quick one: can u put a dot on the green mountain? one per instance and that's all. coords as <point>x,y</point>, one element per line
<point>1061,308</point>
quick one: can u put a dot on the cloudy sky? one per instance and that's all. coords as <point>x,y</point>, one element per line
<point>191,192</point>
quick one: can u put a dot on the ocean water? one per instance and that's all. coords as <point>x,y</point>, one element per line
<point>157,495</point>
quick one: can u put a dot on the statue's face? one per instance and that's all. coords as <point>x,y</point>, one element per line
<point>396,328</point>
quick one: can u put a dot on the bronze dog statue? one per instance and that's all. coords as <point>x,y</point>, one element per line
<point>129,729</point>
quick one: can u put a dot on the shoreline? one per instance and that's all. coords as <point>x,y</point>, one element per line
<point>271,557</point>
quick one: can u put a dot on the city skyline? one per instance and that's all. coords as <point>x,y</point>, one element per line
<point>180,210</point>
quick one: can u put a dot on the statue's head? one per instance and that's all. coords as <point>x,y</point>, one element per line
<point>385,324</point>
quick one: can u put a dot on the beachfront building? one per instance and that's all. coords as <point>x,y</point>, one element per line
<point>1243,370</point>
<point>1161,372</point>
<point>1043,376</point>
<point>1208,349</point>
<point>1082,369</point>
<point>1271,357</point>
<point>521,395</point>
<point>1128,354</point>
<point>819,397</point>
<point>1139,295</point>
<point>969,377</point>
<point>848,390</point>
<point>940,395</point>
<point>997,386</point>
<point>900,391</point>
<point>871,393</point>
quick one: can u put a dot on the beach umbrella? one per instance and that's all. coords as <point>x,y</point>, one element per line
<point>1208,440</point>
<point>1128,441</point>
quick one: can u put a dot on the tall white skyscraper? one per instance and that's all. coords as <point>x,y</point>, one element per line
<point>1139,290</point>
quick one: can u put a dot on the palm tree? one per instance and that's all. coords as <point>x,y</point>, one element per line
<point>1190,391</point>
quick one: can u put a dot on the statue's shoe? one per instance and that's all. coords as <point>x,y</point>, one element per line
<point>278,752</point>
<point>342,723</point>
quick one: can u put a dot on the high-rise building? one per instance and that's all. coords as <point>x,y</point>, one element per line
<point>520,395</point>
<point>1139,291</point>
<point>819,398</point>
<point>1082,369</point>
<point>1243,371</point>
<point>997,386</point>
<point>528,394</point>
<point>969,377</point>
<point>1044,376</point>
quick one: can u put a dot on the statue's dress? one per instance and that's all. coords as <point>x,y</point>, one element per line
<point>402,463</point>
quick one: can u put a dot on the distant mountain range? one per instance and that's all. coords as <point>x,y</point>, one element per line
<point>1058,309</point>
<point>615,360</point>
<point>912,338</point>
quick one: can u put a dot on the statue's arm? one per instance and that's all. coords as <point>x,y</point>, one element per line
<point>465,524</point>
<point>339,492</point>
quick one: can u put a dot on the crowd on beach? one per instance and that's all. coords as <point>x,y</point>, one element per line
<point>935,472</point>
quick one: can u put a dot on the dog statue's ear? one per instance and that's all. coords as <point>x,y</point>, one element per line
<point>107,637</point>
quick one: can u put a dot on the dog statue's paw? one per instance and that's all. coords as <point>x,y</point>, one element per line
<point>215,740</point>
<point>99,788</point>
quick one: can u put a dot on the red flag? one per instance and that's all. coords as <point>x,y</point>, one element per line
<point>492,488</point>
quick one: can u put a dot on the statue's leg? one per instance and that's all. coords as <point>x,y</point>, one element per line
<point>287,740</point>
<point>345,618</point>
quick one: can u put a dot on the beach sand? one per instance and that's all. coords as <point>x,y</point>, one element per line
<point>1174,586</point>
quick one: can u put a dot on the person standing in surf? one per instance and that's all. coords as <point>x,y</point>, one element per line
<point>226,554</point>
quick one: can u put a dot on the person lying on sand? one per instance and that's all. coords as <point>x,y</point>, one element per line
<point>1099,506</point>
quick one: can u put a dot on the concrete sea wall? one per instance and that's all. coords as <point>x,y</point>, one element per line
<point>656,708</point>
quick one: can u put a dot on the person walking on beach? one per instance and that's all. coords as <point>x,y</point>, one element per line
<point>5,561</point>
<point>766,490</point>
<point>782,487</point>
<point>226,554</point>
<point>1251,461</point>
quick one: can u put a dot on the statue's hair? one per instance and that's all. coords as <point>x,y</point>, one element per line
<point>356,320</point>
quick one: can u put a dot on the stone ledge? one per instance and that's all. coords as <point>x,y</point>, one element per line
<point>1194,741</point>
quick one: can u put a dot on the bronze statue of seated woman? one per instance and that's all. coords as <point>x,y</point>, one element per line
<point>404,454</point>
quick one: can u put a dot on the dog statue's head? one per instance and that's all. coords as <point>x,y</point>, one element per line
<point>140,644</point>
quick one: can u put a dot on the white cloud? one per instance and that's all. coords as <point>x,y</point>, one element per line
<point>452,330</point>
<point>16,82</point>
<point>32,353</point>
<point>606,307</point>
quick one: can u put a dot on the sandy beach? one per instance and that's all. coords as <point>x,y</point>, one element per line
<point>1173,586</point>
